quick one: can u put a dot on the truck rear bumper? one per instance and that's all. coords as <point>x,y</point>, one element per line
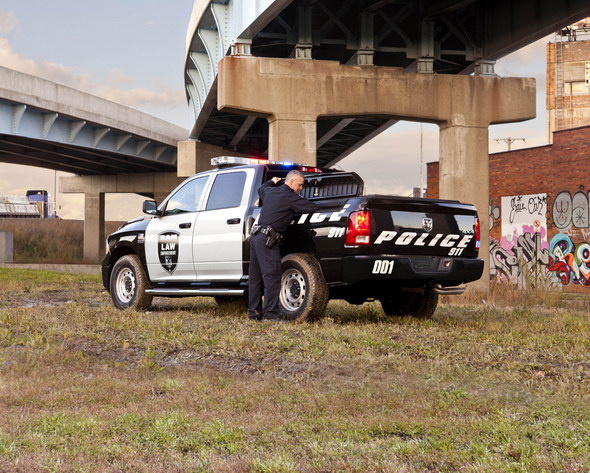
<point>411,269</point>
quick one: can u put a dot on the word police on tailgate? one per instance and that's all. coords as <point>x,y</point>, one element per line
<point>455,243</point>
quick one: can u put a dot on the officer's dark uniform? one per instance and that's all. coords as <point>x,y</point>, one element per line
<point>279,205</point>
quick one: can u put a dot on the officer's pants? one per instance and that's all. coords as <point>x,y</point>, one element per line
<point>265,272</point>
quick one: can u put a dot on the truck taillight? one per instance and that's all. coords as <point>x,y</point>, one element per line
<point>477,234</point>
<point>359,228</point>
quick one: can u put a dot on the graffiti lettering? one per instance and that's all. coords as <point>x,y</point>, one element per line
<point>533,204</point>
<point>569,262</point>
<point>523,265</point>
<point>494,212</point>
<point>571,210</point>
<point>517,205</point>
<point>537,205</point>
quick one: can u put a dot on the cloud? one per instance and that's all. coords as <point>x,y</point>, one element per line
<point>70,76</point>
<point>390,163</point>
<point>531,53</point>
<point>47,70</point>
<point>118,76</point>
<point>8,22</point>
<point>140,97</point>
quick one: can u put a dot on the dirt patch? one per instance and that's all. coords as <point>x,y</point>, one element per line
<point>52,298</point>
<point>275,367</point>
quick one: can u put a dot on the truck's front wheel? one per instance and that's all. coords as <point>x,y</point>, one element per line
<point>128,284</point>
<point>416,305</point>
<point>304,293</point>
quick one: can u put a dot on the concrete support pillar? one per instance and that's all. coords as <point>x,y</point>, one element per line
<point>464,176</point>
<point>94,189</point>
<point>292,140</point>
<point>94,227</point>
<point>195,156</point>
<point>292,94</point>
<point>6,247</point>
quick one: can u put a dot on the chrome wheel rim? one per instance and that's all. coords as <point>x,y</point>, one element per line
<point>293,290</point>
<point>126,285</point>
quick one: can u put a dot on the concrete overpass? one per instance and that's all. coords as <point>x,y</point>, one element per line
<point>440,36</point>
<point>115,148</point>
<point>312,80</point>
<point>253,88</point>
<point>50,125</point>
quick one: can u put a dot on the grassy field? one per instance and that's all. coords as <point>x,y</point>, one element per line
<point>188,388</point>
<point>48,240</point>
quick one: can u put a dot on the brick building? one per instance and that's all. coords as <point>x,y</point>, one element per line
<point>539,212</point>
<point>568,78</point>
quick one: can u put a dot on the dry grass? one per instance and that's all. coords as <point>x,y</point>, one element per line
<point>188,388</point>
<point>48,240</point>
<point>509,295</point>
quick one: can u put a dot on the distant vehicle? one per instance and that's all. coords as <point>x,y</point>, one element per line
<point>36,204</point>
<point>12,206</point>
<point>401,251</point>
<point>41,199</point>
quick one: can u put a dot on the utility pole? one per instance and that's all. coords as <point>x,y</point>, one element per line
<point>421,162</point>
<point>509,141</point>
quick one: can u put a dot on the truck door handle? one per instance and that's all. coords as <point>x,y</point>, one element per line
<point>233,221</point>
<point>184,225</point>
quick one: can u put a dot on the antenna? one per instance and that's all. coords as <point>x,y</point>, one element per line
<point>509,141</point>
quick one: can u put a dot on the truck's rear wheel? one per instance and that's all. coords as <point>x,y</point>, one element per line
<point>304,293</point>
<point>128,284</point>
<point>415,305</point>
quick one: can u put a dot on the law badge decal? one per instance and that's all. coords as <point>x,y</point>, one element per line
<point>168,250</point>
<point>427,224</point>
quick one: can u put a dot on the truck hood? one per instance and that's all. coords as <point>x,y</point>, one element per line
<point>133,226</point>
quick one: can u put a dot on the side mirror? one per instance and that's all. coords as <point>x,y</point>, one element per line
<point>150,207</point>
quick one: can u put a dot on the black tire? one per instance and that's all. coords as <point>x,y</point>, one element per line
<point>304,292</point>
<point>416,305</point>
<point>232,303</point>
<point>128,284</point>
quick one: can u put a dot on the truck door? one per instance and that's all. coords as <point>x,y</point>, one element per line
<point>219,234</point>
<point>169,239</point>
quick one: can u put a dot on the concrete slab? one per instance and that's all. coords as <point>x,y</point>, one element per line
<point>58,268</point>
<point>6,247</point>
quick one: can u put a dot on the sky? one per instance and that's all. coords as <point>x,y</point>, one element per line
<point>132,52</point>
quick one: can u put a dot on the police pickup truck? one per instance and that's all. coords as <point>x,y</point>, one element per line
<point>401,251</point>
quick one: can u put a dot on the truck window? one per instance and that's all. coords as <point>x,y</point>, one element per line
<point>227,191</point>
<point>186,199</point>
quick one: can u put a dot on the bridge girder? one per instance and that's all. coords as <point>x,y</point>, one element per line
<point>441,36</point>
<point>38,137</point>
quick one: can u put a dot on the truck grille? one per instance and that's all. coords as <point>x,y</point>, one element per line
<point>424,264</point>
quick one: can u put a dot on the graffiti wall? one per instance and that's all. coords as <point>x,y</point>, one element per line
<point>522,254</point>
<point>571,211</point>
<point>524,264</point>
<point>569,262</point>
<point>523,215</point>
<point>542,243</point>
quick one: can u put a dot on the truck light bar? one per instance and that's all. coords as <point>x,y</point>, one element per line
<point>235,161</point>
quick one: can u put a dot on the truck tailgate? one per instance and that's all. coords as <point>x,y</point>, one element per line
<point>407,226</point>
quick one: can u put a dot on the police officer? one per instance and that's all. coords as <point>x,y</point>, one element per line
<point>280,203</point>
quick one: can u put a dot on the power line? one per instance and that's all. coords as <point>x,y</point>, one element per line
<point>509,141</point>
